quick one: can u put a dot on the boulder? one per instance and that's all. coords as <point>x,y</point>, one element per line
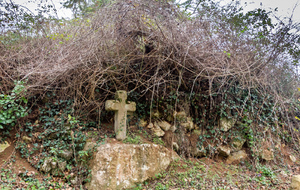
<point>74,180</point>
<point>163,125</point>
<point>156,114</point>
<point>142,123</point>
<point>295,182</point>
<point>173,128</point>
<point>26,139</point>
<point>53,164</point>
<point>200,132</point>
<point>3,146</point>
<point>224,150</point>
<point>189,124</point>
<point>226,124</point>
<point>197,132</point>
<point>237,143</point>
<point>66,154</point>
<point>175,146</point>
<point>62,165</point>
<point>46,167</point>
<point>236,157</point>
<point>199,152</point>
<point>121,166</point>
<point>180,116</point>
<point>157,130</point>
<point>267,155</point>
<point>150,126</point>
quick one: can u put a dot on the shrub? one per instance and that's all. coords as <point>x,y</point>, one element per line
<point>12,107</point>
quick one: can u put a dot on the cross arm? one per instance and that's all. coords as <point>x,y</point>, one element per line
<point>112,105</point>
<point>131,106</point>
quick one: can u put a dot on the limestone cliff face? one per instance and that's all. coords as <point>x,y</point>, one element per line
<point>121,166</point>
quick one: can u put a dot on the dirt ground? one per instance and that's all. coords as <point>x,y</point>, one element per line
<point>211,173</point>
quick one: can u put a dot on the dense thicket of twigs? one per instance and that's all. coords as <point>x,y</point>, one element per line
<point>150,48</point>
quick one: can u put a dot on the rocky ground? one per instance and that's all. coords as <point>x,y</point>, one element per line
<point>184,173</point>
<point>26,163</point>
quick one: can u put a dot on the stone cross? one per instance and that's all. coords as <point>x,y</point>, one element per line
<point>120,106</point>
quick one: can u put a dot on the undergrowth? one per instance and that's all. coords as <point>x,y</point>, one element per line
<point>57,137</point>
<point>12,107</point>
<point>196,174</point>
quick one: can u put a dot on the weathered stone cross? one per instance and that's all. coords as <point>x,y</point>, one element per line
<point>120,106</point>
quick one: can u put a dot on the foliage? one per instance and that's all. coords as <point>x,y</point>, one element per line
<point>265,171</point>
<point>83,7</point>
<point>158,140</point>
<point>17,22</point>
<point>56,135</point>
<point>298,108</point>
<point>27,180</point>
<point>12,107</point>
<point>133,139</point>
<point>279,37</point>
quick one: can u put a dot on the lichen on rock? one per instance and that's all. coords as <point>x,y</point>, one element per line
<point>121,166</point>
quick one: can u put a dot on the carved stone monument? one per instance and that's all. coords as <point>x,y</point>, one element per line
<point>120,106</point>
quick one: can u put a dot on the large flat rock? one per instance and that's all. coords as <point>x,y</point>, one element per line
<point>121,166</point>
